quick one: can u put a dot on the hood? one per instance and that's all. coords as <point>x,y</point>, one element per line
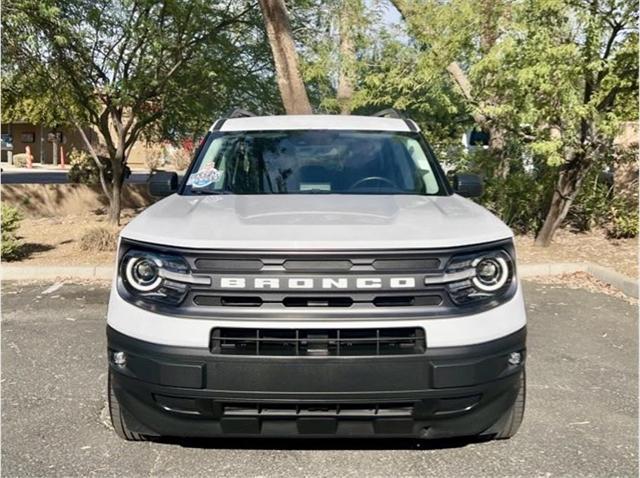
<point>316,222</point>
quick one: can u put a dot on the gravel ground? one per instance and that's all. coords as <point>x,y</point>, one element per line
<point>581,418</point>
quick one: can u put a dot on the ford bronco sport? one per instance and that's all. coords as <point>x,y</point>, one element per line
<point>316,276</point>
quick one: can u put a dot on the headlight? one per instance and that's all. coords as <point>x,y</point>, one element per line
<point>157,277</point>
<point>478,277</point>
<point>491,273</point>
<point>141,273</point>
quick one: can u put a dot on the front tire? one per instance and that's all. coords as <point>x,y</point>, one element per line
<point>516,413</point>
<point>117,416</point>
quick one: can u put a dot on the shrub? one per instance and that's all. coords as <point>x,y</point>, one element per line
<point>592,205</point>
<point>99,239</point>
<point>623,219</point>
<point>154,160</point>
<point>600,205</point>
<point>20,160</point>
<point>519,197</point>
<point>10,222</point>
<point>83,169</point>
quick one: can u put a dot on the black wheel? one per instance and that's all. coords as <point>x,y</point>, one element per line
<point>117,418</point>
<point>516,412</point>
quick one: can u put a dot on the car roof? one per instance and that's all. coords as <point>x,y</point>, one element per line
<point>317,122</point>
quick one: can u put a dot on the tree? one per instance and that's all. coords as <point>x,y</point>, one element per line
<point>350,14</point>
<point>605,69</point>
<point>130,68</point>
<point>457,33</point>
<point>285,57</point>
<point>333,36</point>
<point>546,76</point>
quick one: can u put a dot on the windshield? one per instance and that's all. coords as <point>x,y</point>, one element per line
<point>314,162</point>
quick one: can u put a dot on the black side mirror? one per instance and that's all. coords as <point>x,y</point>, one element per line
<point>468,185</point>
<point>163,183</point>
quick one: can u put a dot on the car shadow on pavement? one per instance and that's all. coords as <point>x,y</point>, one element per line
<point>321,443</point>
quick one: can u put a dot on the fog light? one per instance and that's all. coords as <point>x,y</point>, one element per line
<point>515,358</point>
<point>120,359</point>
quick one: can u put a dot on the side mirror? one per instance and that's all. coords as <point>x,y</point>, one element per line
<point>468,185</point>
<point>163,183</point>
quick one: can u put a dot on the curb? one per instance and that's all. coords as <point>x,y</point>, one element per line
<point>625,284</point>
<point>56,272</point>
<point>620,281</point>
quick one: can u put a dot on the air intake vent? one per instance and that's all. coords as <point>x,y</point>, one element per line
<point>318,342</point>
<point>337,410</point>
<point>317,301</point>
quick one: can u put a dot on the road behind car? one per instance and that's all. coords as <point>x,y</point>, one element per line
<point>581,418</point>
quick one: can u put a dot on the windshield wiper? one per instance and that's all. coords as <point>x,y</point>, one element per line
<point>204,192</point>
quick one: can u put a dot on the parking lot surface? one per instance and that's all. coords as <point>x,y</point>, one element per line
<point>581,417</point>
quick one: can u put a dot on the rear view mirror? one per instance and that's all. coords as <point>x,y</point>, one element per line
<point>163,183</point>
<point>468,185</point>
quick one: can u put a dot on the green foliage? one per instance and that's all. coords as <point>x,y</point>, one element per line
<point>133,68</point>
<point>516,198</point>
<point>172,65</point>
<point>624,220</point>
<point>599,205</point>
<point>84,170</point>
<point>10,222</point>
<point>592,206</point>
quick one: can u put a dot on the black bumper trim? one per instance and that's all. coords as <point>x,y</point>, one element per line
<point>182,391</point>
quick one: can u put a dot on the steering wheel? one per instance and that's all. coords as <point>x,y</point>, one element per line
<point>380,179</point>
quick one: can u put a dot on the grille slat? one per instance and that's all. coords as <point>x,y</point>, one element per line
<point>318,342</point>
<point>338,410</point>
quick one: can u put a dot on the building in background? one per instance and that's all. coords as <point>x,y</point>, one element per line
<point>43,141</point>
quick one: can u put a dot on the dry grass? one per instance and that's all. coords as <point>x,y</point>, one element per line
<point>56,240</point>
<point>594,246</point>
<point>99,239</point>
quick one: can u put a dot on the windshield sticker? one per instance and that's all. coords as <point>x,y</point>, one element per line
<point>208,175</point>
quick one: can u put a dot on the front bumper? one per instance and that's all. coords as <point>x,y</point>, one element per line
<point>446,392</point>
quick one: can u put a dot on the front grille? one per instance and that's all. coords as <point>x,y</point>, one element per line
<point>318,342</point>
<point>364,285</point>
<point>312,280</point>
<point>238,300</point>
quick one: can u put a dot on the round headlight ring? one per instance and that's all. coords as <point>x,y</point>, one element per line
<point>142,274</point>
<point>492,273</point>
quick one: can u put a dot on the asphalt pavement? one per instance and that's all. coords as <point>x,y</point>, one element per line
<point>48,176</point>
<point>581,417</point>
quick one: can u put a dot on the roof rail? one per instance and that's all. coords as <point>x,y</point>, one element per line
<point>235,113</point>
<point>394,113</point>
<point>389,113</point>
<point>239,113</point>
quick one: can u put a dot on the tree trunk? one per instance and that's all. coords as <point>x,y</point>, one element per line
<point>567,187</point>
<point>347,61</point>
<point>276,20</point>
<point>94,156</point>
<point>497,142</point>
<point>115,203</point>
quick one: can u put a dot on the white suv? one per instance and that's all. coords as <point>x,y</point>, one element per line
<point>316,276</point>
